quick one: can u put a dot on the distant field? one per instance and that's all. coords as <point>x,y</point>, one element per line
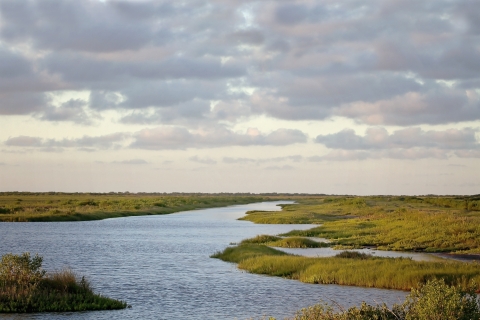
<point>428,224</point>
<point>431,224</point>
<point>22,207</point>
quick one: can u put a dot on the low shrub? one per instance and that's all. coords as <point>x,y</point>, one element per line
<point>25,287</point>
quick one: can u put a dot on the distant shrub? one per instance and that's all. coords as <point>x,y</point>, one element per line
<point>260,239</point>
<point>354,255</point>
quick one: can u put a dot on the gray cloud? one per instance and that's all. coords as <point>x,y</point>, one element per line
<point>72,110</point>
<point>97,142</point>
<point>282,168</point>
<point>191,111</point>
<point>402,154</point>
<point>24,141</point>
<point>380,63</point>
<point>72,25</point>
<point>231,160</point>
<point>202,160</point>
<point>131,162</point>
<point>25,103</point>
<point>181,138</point>
<point>379,138</point>
<point>80,68</point>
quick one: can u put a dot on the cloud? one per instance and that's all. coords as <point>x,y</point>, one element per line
<point>73,110</point>
<point>84,25</point>
<point>24,141</point>
<point>96,142</point>
<point>468,153</point>
<point>402,154</point>
<point>190,112</point>
<point>293,158</point>
<point>131,162</point>
<point>282,168</point>
<point>202,160</point>
<point>181,138</point>
<point>25,103</point>
<point>161,138</point>
<point>409,144</point>
<point>383,62</point>
<point>78,68</point>
<point>379,138</point>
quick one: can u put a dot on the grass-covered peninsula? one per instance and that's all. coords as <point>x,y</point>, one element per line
<point>430,224</point>
<point>53,206</point>
<point>427,224</point>
<point>433,301</point>
<point>350,268</point>
<point>26,287</point>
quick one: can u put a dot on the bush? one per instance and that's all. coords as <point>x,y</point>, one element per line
<point>25,287</point>
<point>433,301</point>
<point>436,300</point>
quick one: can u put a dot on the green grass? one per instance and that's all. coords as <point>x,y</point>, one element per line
<point>429,224</point>
<point>25,287</point>
<point>290,242</point>
<point>24,207</point>
<point>246,251</point>
<point>433,301</point>
<point>350,269</point>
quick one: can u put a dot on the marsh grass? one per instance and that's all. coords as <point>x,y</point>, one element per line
<point>245,251</point>
<point>290,242</point>
<point>354,269</point>
<point>430,224</point>
<point>434,300</point>
<point>23,207</point>
<point>25,287</point>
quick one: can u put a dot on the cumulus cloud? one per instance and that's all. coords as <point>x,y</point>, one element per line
<point>86,142</point>
<point>181,138</point>
<point>131,162</point>
<point>73,110</point>
<point>409,143</point>
<point>231,160</point>
<point>402,154</point>
<point>384,62</point>
<point>202,160</point>
<point>379,138</point>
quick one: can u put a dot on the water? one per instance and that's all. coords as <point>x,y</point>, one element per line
<point>330,252</point>
<point>160,265</point>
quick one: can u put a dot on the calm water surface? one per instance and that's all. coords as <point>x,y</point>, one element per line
<point>330,252</point>
<point>160,265</point>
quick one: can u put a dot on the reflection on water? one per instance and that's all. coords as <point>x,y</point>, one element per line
<point>329,252</point>
<point>161,266</point>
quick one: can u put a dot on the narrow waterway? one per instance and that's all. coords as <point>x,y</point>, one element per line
<point>160,265</point>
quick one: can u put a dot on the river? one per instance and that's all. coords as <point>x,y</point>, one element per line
<point>161,266</point>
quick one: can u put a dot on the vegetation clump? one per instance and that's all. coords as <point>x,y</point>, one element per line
<point>290,242</point>
<point>432,301</point>
<point>351,268</point>
<point>25,287</point>
<point>428,224</point>
<point>25,207</point>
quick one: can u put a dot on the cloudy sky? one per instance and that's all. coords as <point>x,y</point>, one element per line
<point>349,97</point>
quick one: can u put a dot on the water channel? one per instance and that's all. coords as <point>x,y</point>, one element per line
<point>160,265</point>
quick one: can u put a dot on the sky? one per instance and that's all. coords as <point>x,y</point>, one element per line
<point>335,97</point>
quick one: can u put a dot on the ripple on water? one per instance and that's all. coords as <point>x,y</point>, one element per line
<point>161,266</point>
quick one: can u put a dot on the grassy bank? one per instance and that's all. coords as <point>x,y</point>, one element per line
<point>430,224</point>
<point>289,242</point>
<point>350,269</point>
<point>23,207</point>
<point>25,287</point>
<point>433,301</point>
